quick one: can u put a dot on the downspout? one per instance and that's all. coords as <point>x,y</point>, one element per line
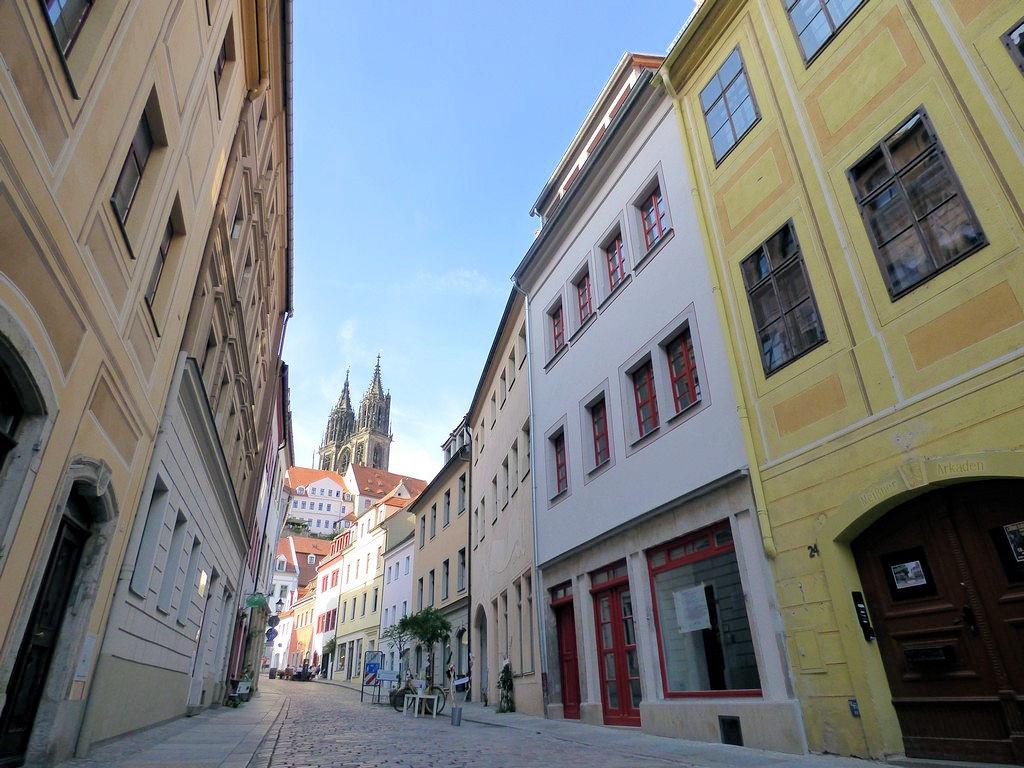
<point>538,587</point>
<point>764,522</point>
<point>262,52</point>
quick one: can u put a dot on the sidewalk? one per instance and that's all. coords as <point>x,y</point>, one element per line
<point>224,737</point>
<point>695,754</point>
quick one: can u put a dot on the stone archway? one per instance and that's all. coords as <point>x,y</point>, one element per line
<point>87,504</point>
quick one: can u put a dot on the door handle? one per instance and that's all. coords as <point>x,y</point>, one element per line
<point>968,619</point>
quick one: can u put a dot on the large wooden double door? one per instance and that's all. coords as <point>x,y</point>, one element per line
<point>944,580</point>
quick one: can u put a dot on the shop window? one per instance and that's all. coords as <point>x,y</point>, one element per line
<point>917,216</point>
<point>704,636</point>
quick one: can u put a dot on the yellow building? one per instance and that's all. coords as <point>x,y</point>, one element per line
<point>119,125</point>
<point>440,568</point>
<point>859,172</point>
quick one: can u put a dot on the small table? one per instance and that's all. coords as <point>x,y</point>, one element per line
<point>415,699</point>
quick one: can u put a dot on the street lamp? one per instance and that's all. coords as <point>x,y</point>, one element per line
<point>279,605</point>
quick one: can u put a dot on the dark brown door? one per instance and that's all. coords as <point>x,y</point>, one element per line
<point>37,647</point>
<point>944,579</point>
<point>617,656</point>
<point>568,660</point>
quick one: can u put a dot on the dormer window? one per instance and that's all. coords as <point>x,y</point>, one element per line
<point>311,559</point>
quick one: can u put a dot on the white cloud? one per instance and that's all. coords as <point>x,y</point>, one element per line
<point>460,280</point>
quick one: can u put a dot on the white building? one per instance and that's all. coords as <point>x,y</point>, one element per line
<point>397,595</point>
<point>660,609</point>
<point>319,497</point>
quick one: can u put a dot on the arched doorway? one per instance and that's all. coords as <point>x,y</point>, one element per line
<point>481,656</point>
<point>943,575</point>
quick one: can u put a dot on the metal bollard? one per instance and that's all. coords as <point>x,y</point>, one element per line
<point>456,715</point>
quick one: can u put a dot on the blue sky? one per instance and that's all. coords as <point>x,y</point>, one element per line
<point>424,132</point>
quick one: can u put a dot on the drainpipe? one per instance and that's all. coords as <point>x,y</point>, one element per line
<point>767,538</point>
<point>538,587</point>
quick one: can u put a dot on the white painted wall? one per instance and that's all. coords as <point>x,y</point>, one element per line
<point>322,506</point>
<point>675,280</point>
<point>397,599</point>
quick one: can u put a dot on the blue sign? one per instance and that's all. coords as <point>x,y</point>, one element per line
<point>372,667</point>
<point>271,634</point>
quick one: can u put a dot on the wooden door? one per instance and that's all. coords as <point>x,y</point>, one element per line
<point>617,656</point>
<point>944,580</point>
<point>568,661</point>
<point>28,678</point>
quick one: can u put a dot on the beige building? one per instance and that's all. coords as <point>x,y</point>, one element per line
<point>439,564</point>
<point>502,549</point>
<point>130,164</point>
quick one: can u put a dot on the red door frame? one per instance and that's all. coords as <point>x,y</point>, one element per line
<point>568,659</point>
<point>613,587</point>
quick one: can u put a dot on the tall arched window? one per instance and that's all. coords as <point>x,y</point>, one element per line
<point>11,413</point>
<point>377,458</point>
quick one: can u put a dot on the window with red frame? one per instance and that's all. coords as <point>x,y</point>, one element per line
<point>616,258</point>
<point>334,579</point>
<point>700,616</point>
<point>682,370</point>
<point>561,473</point>
<point>557,328</point>
<point>583,297</point>
<point>652,213</point>
<point>323,582</point>
<point>599,425</point>
<point>646,400</point>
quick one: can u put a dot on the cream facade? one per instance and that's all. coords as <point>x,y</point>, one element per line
<point>441,539</point>
<point>502,578</point>
<point>120,129</point>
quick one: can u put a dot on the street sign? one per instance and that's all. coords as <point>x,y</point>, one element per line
<point>387,675</point>
<point>273,621</point>
<point>271,634</point>
<point>370,670</point>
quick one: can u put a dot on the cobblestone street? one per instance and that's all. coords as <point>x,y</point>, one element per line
<point>316,725</point>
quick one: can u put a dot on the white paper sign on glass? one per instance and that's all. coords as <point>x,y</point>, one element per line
<point>692,609</point>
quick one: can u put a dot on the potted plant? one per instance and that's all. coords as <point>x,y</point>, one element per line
<point>506,699</point>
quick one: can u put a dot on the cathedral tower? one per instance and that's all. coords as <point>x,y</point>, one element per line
<point>365,439</point>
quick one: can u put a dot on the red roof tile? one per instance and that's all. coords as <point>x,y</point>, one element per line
<point>378,482</point>
<point>296,476</point>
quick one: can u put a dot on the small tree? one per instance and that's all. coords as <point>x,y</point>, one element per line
<point>398,636</point>
<point>429,626</point>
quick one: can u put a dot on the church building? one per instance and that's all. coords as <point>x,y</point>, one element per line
<point>363,439</point>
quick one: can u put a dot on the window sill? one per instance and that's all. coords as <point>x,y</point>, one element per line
<point>597,469</point>
<point>654,250</point>
<point>555,357</point>
<point>639,442</point>
<point>601,307</point>
<point>583,326</point>
<point>686,412</point>
<point>515,488</point>
<point>558,497</point>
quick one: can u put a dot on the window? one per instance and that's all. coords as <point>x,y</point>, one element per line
<point>528,656</point>
<point>701,570</point>
<point>817,21</point>
<point>323,583</point>
<point>583,297</point>
<point>785,316</point>
<point>156,520</point>
<point>557,328</point>
<point>561,473</point>
<point>615,257</point>
<point>280,564</point>
<point>344,605</point>
<point>652,217</point>
<point>430,587</point>
<point>131,171</point>
<point>682,371</point>
<point>447,508</point>
<point>494,499</point>
<point>220,63</point>
<point>376,591</point>
<point>334,578</point>
<point>295,504</point>
<point>460,572</point>
<point>917,216</point>
<point>462,493</point>
<point>362,606</point>
<point>504,481</point>
<point>483,517</point>
<point>494,408</point>
<point>521,344</point>
<point>1014,42</point>
<point>503,385</point>
<point>310,559</point>
<point>729,108</point>
<point>66,18</point>
<point>599,428</point>
<point>423,531</point>
<point>419,594</point>
<point>433,520</point>
<point>646,399</point>
<point>444,579</point>
<point>524,438</point>
<point>408,561</point>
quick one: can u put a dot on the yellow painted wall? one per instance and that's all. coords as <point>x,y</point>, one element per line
<point>905,393</point>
